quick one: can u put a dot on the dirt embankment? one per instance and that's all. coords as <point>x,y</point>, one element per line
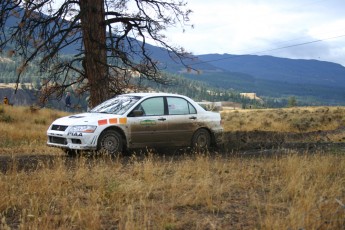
<point>242,140</point>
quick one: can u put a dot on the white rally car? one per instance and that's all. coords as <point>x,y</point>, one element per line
<point>138,120</point>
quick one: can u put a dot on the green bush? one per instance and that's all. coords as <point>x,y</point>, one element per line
<point>6,118</point>
<point>40,121</point>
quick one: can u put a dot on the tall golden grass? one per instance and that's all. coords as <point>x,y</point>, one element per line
<point>296,119</point>
<point>328,121</point>
<point>23,129</point>
<point>285,190</point>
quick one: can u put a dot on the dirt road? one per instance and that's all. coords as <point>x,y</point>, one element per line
<point>33,162</point>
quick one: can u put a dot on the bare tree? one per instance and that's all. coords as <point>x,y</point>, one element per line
<point>109,37</point>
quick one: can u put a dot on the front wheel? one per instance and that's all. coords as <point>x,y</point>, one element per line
<point>111,142</point>
<point>201,139</point>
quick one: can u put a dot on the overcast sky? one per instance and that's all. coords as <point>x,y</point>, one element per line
<point>265,27</point>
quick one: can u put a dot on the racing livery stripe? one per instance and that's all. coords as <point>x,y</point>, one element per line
<point>123,120</point>
<point>113,121</point>
<point>102,122</point>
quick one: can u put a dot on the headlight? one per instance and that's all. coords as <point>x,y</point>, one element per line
<point>83,128</point>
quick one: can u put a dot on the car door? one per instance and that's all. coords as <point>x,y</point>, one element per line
<point>149,128</point>
<point>182,120</point>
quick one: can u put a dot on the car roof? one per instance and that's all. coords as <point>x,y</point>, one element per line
<point>152,94</point>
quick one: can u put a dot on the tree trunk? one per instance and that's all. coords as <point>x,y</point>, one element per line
<point>94,39</point>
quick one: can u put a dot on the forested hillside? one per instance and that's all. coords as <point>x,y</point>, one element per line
<point>31,82</point>
<point>297,71</point>
<point>210,83</point>
<point>313,82</point>
<point>9,74</point>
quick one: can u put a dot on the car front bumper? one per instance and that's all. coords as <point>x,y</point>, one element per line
<point>61,140</point>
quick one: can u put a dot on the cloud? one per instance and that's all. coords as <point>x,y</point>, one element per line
<point>253,26</point>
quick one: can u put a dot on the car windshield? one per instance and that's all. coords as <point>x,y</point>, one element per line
<point>118,105</point>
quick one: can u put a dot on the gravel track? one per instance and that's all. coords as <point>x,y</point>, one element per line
<point>33,162</point>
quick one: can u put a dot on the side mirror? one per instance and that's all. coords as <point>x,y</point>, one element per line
<point>137,113</point>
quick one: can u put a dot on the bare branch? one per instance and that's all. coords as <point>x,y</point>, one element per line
<point>108,39</point>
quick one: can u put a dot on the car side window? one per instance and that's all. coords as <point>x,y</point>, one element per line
<point>179,106</point>
<point>192,109</point>
<point>152,106</point>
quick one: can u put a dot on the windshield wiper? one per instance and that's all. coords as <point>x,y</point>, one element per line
<point>103,112</point>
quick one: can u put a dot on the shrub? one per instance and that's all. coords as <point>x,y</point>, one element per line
<point>301,124</point>
<point>266,124</point>
<point>40,121</point>
<point>6,118</point>
<point>34,109</point>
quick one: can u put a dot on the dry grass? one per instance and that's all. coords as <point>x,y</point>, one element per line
<point>153,191</point>
<point>298,119</point>
<point>23,129</point>
<point>195,192</point>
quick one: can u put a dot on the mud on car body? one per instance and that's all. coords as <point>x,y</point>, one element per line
<point>138,120</point>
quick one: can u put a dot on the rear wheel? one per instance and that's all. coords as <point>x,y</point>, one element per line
<point>111,142</point>
<point>201,139</point>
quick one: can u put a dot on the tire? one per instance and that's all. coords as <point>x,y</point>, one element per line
<point>110,142</point>
<point>201,139</point>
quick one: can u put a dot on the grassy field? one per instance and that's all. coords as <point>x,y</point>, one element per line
<point>23,130</point>
<point>296,119</point>
<point>283,190</point>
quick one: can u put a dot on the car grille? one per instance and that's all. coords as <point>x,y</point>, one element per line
<point>76,141</point>
<point>59,127</point>
<point>58,140</point>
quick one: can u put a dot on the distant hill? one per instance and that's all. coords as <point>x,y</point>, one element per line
<point>280,69</point>
<point>314,82</point>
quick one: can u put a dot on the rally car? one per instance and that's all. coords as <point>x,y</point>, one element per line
<point>138,120</point>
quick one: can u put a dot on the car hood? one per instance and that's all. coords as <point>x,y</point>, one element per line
<point>84,119</point>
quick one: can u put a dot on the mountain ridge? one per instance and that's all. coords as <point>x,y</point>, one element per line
<point>280,69</point>
<point>317,82</point>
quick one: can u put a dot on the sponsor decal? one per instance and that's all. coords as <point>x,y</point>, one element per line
<point>122,121</point>
<point>102,122</point>
<point>75,134</point>
<point>148,122</point>
<point>113,121</point>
